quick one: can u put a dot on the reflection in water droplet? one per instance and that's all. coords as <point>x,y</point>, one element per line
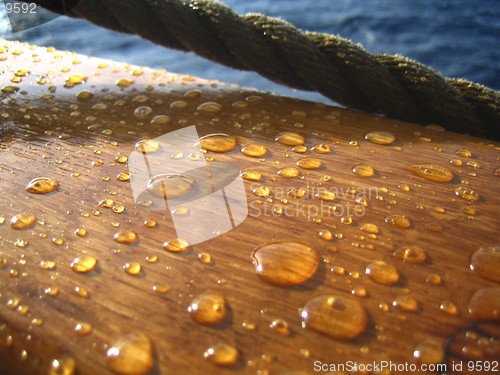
<point>380,138</point>
<point>334,316</point>
<point>486,263</point>
<point>431,172</point>
<point>382,273</point>
<point>126,237</point>
<point>222,354</point>
<point>255,150</point>
<point>170,185</point>
<point>398,221</point>
<point>412,254</point>
<point>429,351</point>
<point>309,163</point>
<point>467,194</point>
<point>218,142</point>
<point>363,170</point>
<point>22,221</point>
<point>176,246</point>
<point>485,304</point>
<point>131,355</point>
<point>84,263</point>
<point>289,172</point>
<point>208,308</point>
<point>290,139</point>
<point>285,263</point>
<point>147,146</point>
<point>42,185</point>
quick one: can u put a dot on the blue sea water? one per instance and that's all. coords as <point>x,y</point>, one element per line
<point>459,38</point>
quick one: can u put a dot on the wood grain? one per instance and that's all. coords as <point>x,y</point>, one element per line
<point>47,131</point>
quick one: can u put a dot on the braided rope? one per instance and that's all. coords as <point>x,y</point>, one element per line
<point>335,67</point>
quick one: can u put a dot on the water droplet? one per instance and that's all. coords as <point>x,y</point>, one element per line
<point>84,263</point>
<point>431,172</point>
<point>75,79</point>
<point>42,185</point>
<point>334,316</point>
<point>124,82</point>
<point>363,170</point>
<point>289,172</point>
<point>83,328</point>
<point>81,232</point>
<point>48,265</point>
<point>250,175</point>
<point>123,177</point>
<point>467,194</point>
<point>448,308</point>
<point>131,355</point>
<point>208,308</point>
<point>222,354</point>
<point>464,153</point>
<point>132,268</point>
<point>290,139</point>
<point>434,279</point>
<point>22,221</point>
<point>160,120</point>
<point>309,163</point>
<point>63,366</point>
<point>150,223</point>
<point>485,304</point>
<point>261,191</point>
<point>405,303</point>
<point>205,258</point>
<point>380,138</point>
<point>486,263</point>
<point>300,149</point>
<point>84,95</point>
<point>218,142</point>
<point>142,112</point>
<point>326,235</point>
<point>398,221</point>
<point>147,146</point>
<point>176,246</point>
<point>210,107</point>
<point>81,292</point>
<point>280,326</point>
<point>370,228</point>
<point>285,263</point>
<point>403,187</point>
<point>255,150</point>
<point>126,237</point>
<point>382,273</point>
<point>429,351</point>
<point>170,185</point>
<point>412,254</point>
<point>321,148</point>
<point>326,195</point>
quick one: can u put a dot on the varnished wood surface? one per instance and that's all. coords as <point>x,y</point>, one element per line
<point>46,131</point>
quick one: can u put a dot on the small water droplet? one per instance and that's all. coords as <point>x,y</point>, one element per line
<point>486,263</point>
<point>363,170</point>
<point>142,112</point>
<point>321,148</point>
<point>150,223</point>
<point>176,246</point>
<point>464,153</point>
<point>289,172</point>
<point>280,326</point>
<point>126,237</point>
<point>382,273</point>
<point>124,82</point>
<point>208,308</point>
<point>255,150</point>
<point>170,185</point>
<point>83,328</point>
<point>290,139</point>
<point>334,316</point>
<point>309,163</point>
<point>210,107</point>
<point>434,279</point>
<point>412,254</point>
<point>300,149</point>
<point>81,232</point>
<point>42,185</point>
<point>485,304</point>
<point>84,263</point>
<point>160,120</point>
<point>467,194</point>
<point>131,355</point>
<point>326,195</point>
<point>132,268</point>
<point>405,303</point>
<point>431,172</point>
<point>123,177</point>
<point>205,258</point>
<point>448,308</point>
<point>380,138</point>
<point>218,142</point>
<point>250,175</point>
<point>63,366</point>
<point>370,228</point>
<point>398,221</point>
<point>429,351</point>
<point>261,191</point>
<point>285,263</point>
<point>222,354</point>
<point>22,221</point>
<point>84,95</point>
<point>147,146</point>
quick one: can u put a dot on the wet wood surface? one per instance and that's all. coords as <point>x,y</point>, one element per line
<point>50,129</point>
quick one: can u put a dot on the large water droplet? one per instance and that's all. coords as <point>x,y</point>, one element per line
<point>290,139</point>
<point>208,308</point>
<point>363,170</point>
<point>84,263</point>
<point>126,237</point>
<point>485,304</point>
<point>218,142</point>
<point>289,172</point>
<point>398,221</point>
<point>334,316</point>
<point>147,146</point>
<point>22,221</point>
<point>285,263</point>
<point>309,163</point>
<point>170,185</point>
<point>131,355</point>
<point>431,172</point>
<point>382,273</point>
<point>486,263</point>
<point>255,150</point>
<point>42,185</point>
<point>429,351</point>
<point>380,138</point>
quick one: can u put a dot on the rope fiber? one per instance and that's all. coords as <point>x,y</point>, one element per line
<point>392,85</point>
